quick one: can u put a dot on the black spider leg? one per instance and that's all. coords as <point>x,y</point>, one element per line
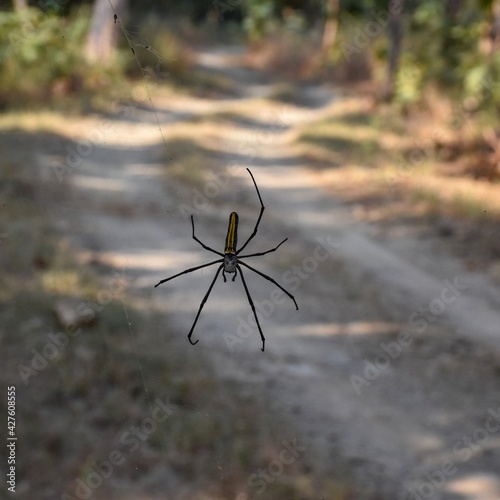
<point>262,208</point>
<point>203,303</point>
<point>262,253</point>
<point>253,307</point>
<point>188,271</point>
<point>272,281</point>
<point>203,244</point>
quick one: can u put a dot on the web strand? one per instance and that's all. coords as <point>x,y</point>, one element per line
<point>145,71</point>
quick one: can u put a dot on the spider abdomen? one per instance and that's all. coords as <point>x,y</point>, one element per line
<point>232,235</point>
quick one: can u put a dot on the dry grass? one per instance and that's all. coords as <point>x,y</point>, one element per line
<point>365,148</point>
<point>397,168</point>
<point>289,57</point>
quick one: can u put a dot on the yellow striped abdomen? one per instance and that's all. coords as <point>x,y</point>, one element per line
<point>232,234</point>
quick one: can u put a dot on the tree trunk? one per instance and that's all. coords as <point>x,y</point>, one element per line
<point>395,37</point>
<point>495,26</point>
<point>329,35</point>
<point>103,34</point>
<point>20,4</point>
<point>451,46</point>
<point>331,26</point>
<point>452,10</point>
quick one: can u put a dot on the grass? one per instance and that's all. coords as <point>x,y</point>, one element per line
<point>342,142</point>
<point>203,84</point>
<point>284,92</point>
<point>76,408</point>
<point>468,206</point>
<point>374,155</point>
<point>290,57</point>
<point>397,172</point>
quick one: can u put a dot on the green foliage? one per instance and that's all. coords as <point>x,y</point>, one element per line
<point>260,19</point>
<point>263,18</point>
<point>41,57</point>
<point>410,79</point>
<point>446,53</point>
<point>36,50</point>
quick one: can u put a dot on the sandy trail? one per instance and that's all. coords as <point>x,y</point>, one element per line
<point>414,409</point>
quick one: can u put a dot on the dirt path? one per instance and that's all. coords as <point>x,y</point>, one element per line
<point>410,412</point>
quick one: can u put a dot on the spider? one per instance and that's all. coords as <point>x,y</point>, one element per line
<point>231,263</point>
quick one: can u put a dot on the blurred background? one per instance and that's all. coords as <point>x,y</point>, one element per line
<point>372,131</point>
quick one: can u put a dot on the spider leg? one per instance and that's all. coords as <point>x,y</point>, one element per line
<point>271,280</point>
<point>188,271</point>
<point>262,208</point>
<point>203,303</point>
<point>253,308</point>
<point>203,244</point>
<point>262,253</point>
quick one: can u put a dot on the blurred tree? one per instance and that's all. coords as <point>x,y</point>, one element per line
<point>330,27</point>
<point>495,26</point>
<point>102,38</point>
<point>451,40</point>
<point>261,18</point>
<point>395,37</point>
<point>20,4</point>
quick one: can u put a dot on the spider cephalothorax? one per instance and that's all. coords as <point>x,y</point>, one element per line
<point>231,263</point>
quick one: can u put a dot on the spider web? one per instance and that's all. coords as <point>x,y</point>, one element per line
<point>146,71</point>
<point>142,347</point>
